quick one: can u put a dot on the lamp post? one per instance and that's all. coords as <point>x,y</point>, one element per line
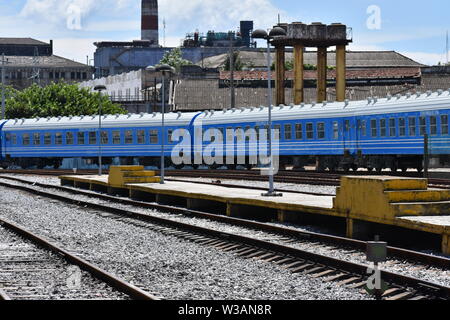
<point>165,70</point>
<point>99,89</point>
<point>262,34</point>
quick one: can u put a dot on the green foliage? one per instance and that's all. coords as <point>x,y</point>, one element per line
<point>57,99</point>
<point>238,65</point>
<point>174,58</point>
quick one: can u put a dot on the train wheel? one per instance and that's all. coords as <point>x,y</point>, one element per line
<point>379,169</point>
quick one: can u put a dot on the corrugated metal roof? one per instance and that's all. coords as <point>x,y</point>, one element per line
<point>21,41</point>
<point>43,62</point>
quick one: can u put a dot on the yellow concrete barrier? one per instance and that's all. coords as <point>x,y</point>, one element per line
<point>122,175</point>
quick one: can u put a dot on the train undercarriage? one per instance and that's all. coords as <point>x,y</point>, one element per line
<point>346,162</point>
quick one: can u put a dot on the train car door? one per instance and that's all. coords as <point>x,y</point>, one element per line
<point>349,135</point>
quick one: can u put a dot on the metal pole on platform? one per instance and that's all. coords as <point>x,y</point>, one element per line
<point>3,86</point>
<point>426,156</point>
<point>99,89</point>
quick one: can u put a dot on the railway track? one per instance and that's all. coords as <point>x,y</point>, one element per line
<point>32,268</point>
<point>288,257</point>
<point>283,176</point>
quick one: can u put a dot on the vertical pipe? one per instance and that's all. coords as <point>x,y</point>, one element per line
<point>269,97</point>
<point>279,68</point>
<point>426,156</point>
<point>340,73</point>
<point>232,92</point>
<point>298,74</point>
<point>321,74</point>
<point>100,138</point>
<point>163,133</point>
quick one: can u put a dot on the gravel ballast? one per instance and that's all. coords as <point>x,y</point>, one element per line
<point>168,267</point>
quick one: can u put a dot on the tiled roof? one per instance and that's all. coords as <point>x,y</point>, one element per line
<point>387,73</point>
<point>355,59</point>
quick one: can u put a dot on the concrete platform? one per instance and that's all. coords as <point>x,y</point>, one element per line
<point>370,199</point>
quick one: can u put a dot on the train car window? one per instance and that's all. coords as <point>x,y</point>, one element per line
<point>69,138</point>
<point>128,137</point>
<point>116,137</point>
<point>26,139</point>
<point>8,137</point>
<point>169,135</point>
<point>104,137</point>
<point>92,137</point>
<point>373,128</point>
<point>47,138</point>
<point>444,124</point>
<point>141,136</point>
<point>392,128</point>
<point>383,128</point>
<point>288,132</point>
<point>80,137</point>
<point>321,130</point>
<point>277,132</point>
<point>309,131</point>
<point>363,128</point>
<point>347,125</point>
<point>412,127</point>
<point>58,138</point>
<point>422,126</point>
<point>298,131</point>
<point>433,125</point>
<point>335,130</point>
<point>14,139</point>
<point>36,139</point>
<point>401,127</point>
<point>154,136</point>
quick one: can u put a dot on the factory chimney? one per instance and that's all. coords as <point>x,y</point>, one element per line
<point>150,21</point>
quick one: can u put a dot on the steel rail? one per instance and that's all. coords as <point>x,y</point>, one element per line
<point>437,290</point>
<point>415,256</point>
<point>115,282</point>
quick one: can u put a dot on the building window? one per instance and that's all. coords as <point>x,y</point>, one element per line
<point>84,75</point>
<point>373,128</point>
<point>58,138</point>
<point>78,75</point>
<point>81,140</point>
<point>412,127</point>
<point>92,137</point>
<point>50,75</point>
<point>382,127</point>
<point>288,132</point>
<point>422,126</point>
<point>392,128</point>
<point>128,137</point>
<point>298,131</point>
<point>444,124</point>
<point>402,127</point>
<point>26,139</point>
<point>309,131</point>
<point>104,138</point>
<point>69,138</point>
<point>72,75</point>
<point>153,136</point>
<point>141,136</point>
<point>116,137</point>
<point>433,125</point>
<point>321,130</point>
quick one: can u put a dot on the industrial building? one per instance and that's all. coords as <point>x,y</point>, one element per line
<point>31,61</point>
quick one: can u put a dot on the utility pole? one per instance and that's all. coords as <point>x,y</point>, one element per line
<point>3,85</point>
<point>232,92</point>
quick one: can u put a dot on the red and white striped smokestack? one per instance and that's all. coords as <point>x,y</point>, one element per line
<point>150,21</point>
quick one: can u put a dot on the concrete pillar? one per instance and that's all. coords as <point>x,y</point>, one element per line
<point>280,75</point>
<point>349,231</point>
<point>446,244</point>
<point>340,73</point>
<point>298,74</point>
<point>321,74</point>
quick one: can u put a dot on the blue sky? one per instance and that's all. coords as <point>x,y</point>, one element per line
<point>414,28</point>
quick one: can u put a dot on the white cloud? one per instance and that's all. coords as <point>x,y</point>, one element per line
<point>426,58</point>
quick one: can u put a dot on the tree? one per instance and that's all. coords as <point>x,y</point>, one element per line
<point>174,58</point>
<point>57,99</point>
